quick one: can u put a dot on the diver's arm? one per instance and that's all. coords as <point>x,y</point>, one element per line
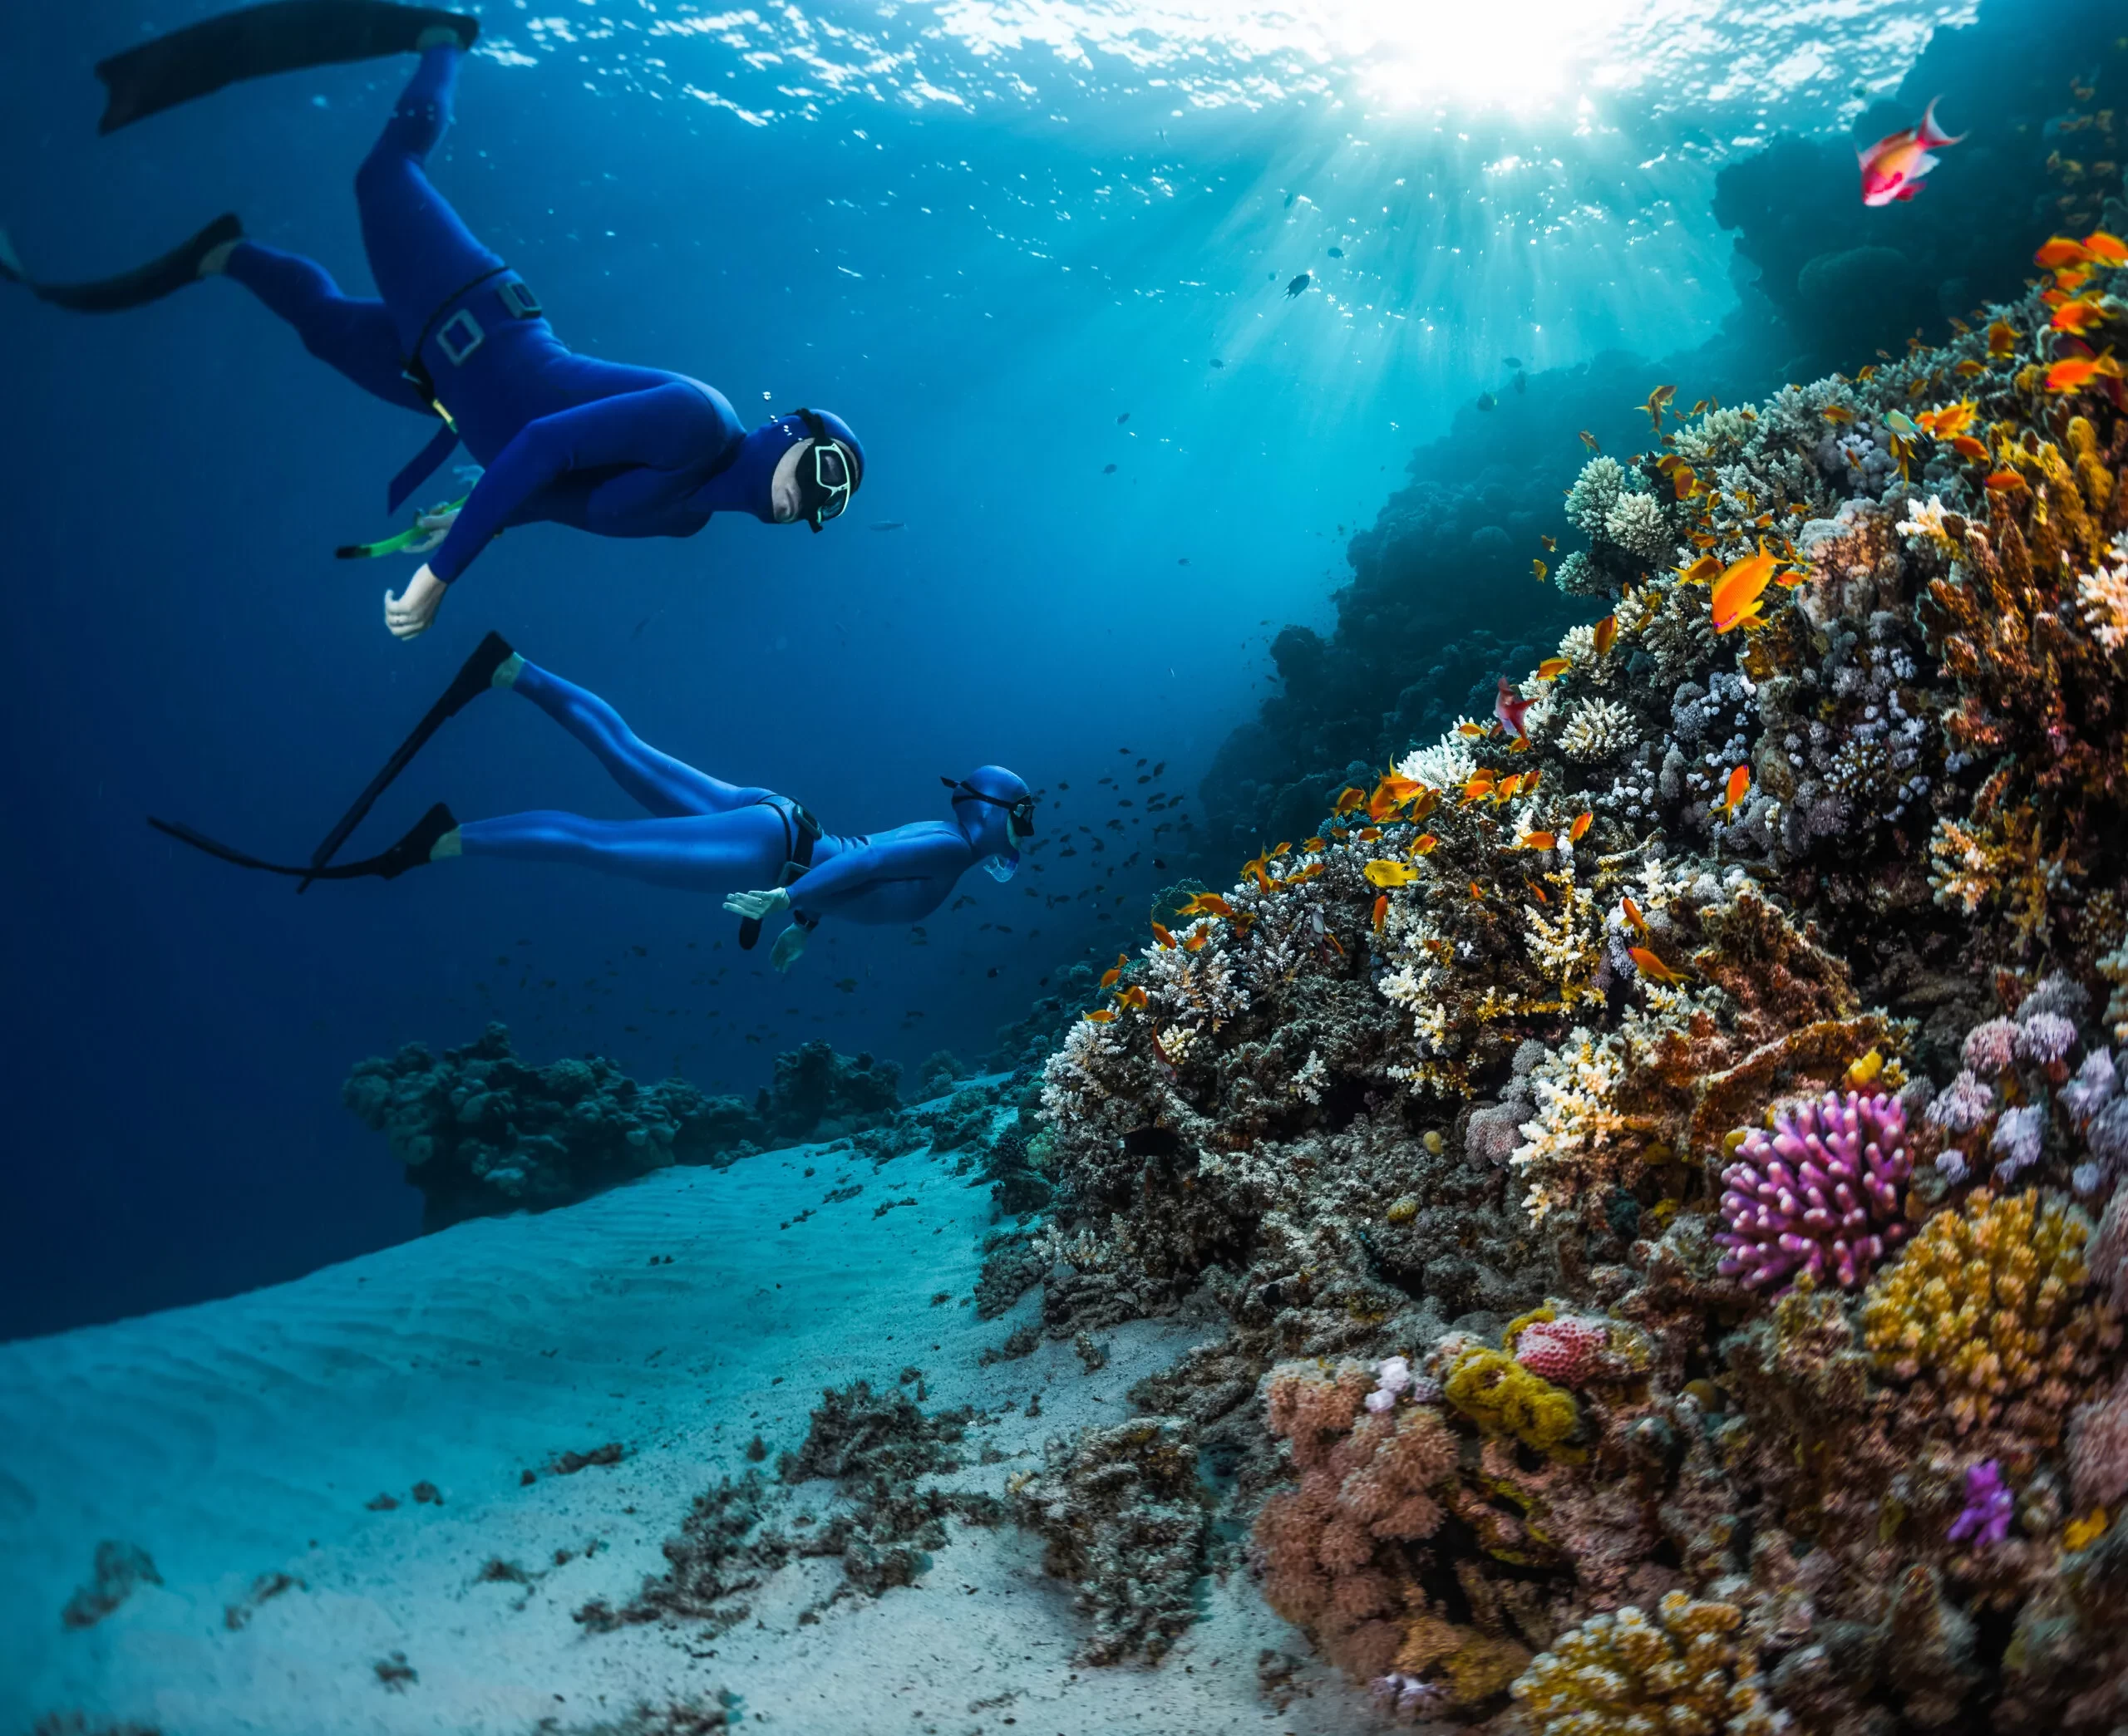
<point>821,891</point>
<point>670,427</point>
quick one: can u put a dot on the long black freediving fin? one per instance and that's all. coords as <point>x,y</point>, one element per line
<point>144,283</point>
<point>473,679</point>
<point>411,851</point>
<point>282,36</point>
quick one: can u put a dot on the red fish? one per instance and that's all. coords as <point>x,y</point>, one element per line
<point>1892,168</point>
<point>1732,796</point>
<point>1508,706</point>
<point>1380,912</point>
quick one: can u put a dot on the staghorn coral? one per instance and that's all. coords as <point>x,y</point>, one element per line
<point>1987,1309</point>
<point>1623,1675</point>
<point>1598,728</point>
<point>1820,1196</point>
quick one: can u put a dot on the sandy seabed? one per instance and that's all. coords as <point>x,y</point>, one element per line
<point>245,1439</point>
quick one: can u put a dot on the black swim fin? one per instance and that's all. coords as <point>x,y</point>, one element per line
<point>473,678</point>
<point>135,288</point>
<point>284,36</point>
<point>411,851</point>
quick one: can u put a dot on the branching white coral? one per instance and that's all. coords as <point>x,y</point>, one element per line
<point>1189,989</point>
<point>1636,523</point>
<point>1578,647</point>
<point>1448,762</point>
<point>1577,1120</point>
<point>1071,1083</point>
<point>1595,492</point>
<point>1309,1082</point>
<point>1598,728</point>
<point>1566,942</point>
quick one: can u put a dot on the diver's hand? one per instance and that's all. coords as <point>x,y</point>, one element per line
<point>435,527</point>
<point>410,614</point>
<point>788,946</point>
<point>754,906</point>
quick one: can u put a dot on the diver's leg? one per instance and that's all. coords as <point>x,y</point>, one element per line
<point>420,252</point>
<point>710,853</point>
<point>353,337</point>
<point>668,788</point>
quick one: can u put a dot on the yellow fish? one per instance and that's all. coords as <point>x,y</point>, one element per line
<point>1607,635</point>
<point>1540,569</point>
<point>1381,872</point>
<point>1552,668</point>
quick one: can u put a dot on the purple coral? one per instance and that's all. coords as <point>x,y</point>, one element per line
<point>1989,1507</point>
<point>1963,1105</point>
<point>2018,1136</point>
<point>2095,1084</point>
<point>2045,1038</point>
<point>1818,1195</point>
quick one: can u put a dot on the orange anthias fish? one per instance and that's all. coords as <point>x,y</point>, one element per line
<point>1579,829</point>
<point>1704,571</point>
<point>1838,415</point>
<point>1477,786</point>
<point>1470,730</point>
<point>1162,935</point>
<point>2074,373</point>
<point>1309,846</point>
<point>1350,798</point>
<point>2059,251</point>
<point>2005,481</point>
<point>1106,1015</point>
<point>2080,315</point>
<point>1206,904</point>
<point>1504,791</point>
<point>1659,401</point>
<point>1950,422</point>
<point>1733,793</point>
<point>1536,841</point>
<point>1742,583</point>
<point>1650,966</point>
<point>1893,168</point>
<point>1380,912</point>
<point>1967,369</point>
<point>1552,668</point>
<point>1423,844</point>
<point>2106,249</point>
<point>1390,794</point>
<point>1970,450</point>
<point>1109,976</point>
<point>1133,997</point>
<point>1607,635</point>
<point>1632,915</point>
<point>1509,706</point>
<point>2001,339</point>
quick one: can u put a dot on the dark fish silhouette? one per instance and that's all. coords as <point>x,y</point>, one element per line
<point>1486,400</point>
<point>1337,253</point>
<point>1298,285</point>
<point>889,525</point>
<point>1122,419</point>
<point>1108,470</point>
<point>1216,363</point>
<point>1521,380</point>
<point>1512,361</point>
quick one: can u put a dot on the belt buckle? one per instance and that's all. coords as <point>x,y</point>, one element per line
<point>459,336</point>
<point>518,299</point>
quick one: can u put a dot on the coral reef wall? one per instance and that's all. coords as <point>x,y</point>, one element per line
<point>1657,1144</point>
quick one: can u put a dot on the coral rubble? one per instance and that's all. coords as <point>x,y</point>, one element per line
<point>1659,1152</point>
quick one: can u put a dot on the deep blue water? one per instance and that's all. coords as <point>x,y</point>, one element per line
<point>983,234</point>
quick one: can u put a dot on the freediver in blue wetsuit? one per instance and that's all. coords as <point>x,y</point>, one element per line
<point>762,850</point>
<point>618,451</point>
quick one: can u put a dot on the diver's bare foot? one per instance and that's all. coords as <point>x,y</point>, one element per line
<point>438,36</point>
<point>216,259</point>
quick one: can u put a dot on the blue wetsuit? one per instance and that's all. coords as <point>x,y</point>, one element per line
<point>710,836</point>
<point>618,451</point>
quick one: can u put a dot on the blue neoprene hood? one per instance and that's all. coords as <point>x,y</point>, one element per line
<point>754,470</point>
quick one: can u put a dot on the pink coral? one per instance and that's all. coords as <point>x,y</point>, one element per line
<point>1963,1105</point>
<point>1819,1195</point>
<point>2045,1038</point>
<point>1990,1048</point>
<point>1564,1351</point>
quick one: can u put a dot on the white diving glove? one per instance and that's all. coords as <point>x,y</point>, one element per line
<point>407,616</point>
<point>788,946</point>
<point>755,906</point>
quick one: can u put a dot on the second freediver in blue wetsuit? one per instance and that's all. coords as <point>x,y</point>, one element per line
<point>762,851</point>
<point>617,451</point>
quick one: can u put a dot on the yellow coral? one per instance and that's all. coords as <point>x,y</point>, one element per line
<point>2077,1532</point>
<point>1503,1397</point>
<point>1623,1675</point>
<point>1986,1304</point>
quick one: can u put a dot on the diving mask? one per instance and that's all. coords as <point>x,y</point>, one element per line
<point>1018,812</point>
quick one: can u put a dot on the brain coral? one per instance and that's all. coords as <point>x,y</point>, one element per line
<point>1986,1306</point>
<point>1624,1676</point>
